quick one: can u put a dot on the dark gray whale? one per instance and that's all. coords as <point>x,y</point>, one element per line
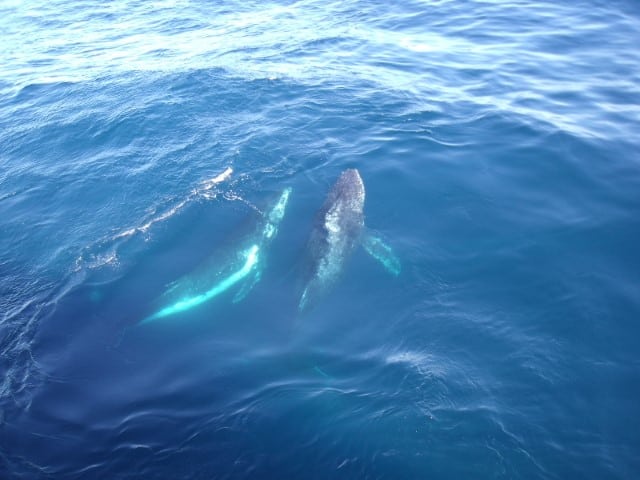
<point>338,229</point>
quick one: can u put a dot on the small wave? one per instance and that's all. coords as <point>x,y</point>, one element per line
<point>17,330</point>
<point>424,364</point>
<point>105,252</point>
<point>7,195</point>
<point>201,192</point>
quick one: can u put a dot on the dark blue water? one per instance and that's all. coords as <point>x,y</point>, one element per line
<point>499,147</point>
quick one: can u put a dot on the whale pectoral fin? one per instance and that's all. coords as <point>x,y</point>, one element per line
<point>247,286</point>
<point>382,252</point>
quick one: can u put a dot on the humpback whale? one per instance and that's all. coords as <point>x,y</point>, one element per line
<point>243,267</point>
<point>338,229</point>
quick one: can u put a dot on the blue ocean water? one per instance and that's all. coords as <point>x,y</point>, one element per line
<point>498,144</point>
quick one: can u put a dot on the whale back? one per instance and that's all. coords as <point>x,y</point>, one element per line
<point>336,232</point>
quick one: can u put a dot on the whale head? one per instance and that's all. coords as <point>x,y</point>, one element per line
<point>349,189</point>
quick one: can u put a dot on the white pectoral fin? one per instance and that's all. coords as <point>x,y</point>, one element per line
<point>382,252</point>
<point>247,286</point>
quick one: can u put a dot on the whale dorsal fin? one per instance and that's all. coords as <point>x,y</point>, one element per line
<point>382,252</point>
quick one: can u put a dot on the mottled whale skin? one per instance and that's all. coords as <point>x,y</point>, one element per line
<point>336,233</point>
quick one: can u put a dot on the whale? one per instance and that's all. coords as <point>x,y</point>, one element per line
<point>337,231</point>
<point>240,270</point>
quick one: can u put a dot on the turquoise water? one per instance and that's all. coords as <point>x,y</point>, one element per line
<point>498,144</point>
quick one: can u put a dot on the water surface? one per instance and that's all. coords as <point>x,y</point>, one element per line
<point>498,144</point>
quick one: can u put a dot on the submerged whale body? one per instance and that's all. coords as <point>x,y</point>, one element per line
<point>242,268</point>
<point>338,229</point>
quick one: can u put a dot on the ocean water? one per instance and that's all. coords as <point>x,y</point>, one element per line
<point>499,147</point>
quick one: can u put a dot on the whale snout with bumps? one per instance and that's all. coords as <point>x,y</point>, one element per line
<point>337,231</point>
